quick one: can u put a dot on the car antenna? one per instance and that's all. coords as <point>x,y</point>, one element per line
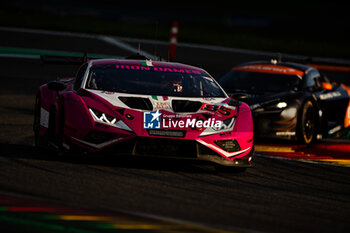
<point>279,57</point>
<point>138,49</point>
<point>85,58</point>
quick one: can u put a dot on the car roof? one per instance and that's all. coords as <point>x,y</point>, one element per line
<point>298,67</point>
<point>132,62</point>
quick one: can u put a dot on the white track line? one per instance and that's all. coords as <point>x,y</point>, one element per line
<point>199,46</point>
<point>22,56</point>
<point>117,41</point>
<point>127,47</point>
<point>237,50</point>
<point>47,32</point>
<point>107,39</point>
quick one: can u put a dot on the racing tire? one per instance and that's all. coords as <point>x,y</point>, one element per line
<point>307,123</point>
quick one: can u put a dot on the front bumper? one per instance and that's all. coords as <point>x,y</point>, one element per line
<point>271,124</point>
<point>175,149</point>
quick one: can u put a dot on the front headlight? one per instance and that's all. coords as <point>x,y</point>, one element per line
<point>225,124</point>
<point>289,112</point>
<point>104,118</point>
<point>281,105</point>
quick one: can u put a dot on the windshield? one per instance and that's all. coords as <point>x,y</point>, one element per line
<point>160,81</point>
<point>259,82</point>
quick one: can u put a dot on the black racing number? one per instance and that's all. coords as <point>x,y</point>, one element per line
<point>224,111</point>
<point>211,108</point>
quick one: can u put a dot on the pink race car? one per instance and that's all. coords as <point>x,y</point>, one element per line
<point>144,108</point>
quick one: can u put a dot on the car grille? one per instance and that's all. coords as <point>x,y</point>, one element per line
<point>166,147</point>
<point>161,147</point>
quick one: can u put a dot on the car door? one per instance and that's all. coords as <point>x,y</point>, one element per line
<point>332,101</point>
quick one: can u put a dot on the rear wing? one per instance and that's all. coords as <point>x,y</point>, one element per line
<point>336,70</point>
<point>322,64</point>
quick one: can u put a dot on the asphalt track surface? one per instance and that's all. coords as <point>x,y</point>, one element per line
<point>275,196</point>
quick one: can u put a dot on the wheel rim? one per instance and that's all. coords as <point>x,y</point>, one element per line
<point>308,122</point>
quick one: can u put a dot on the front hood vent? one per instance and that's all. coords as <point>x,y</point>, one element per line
<point>137,103</point>
<point>186,106</point>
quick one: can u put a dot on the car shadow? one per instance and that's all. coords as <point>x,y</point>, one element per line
<point>15,151</point>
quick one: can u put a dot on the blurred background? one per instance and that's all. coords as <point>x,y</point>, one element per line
<point>313,28</point>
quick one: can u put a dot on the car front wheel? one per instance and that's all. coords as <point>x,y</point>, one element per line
<point>307,123</point>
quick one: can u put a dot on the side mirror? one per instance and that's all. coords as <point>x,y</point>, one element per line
<point>239,96</point>
<point>326,86</point>
<point>56,86</point>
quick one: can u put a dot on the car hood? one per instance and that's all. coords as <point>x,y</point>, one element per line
<point>262,99</point>
<point>133,108</point>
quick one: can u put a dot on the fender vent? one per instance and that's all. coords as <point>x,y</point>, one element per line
<point>137,103</point>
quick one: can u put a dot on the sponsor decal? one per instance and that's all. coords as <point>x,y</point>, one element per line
<point>219,109</point>
<point>190,123</point>
<point>161,105</point>
<point>151,120</point>
<point>157,69</point>
<point>160,98</point>
<point>330,95</point>
<point>287,133</point>
<point>274,69</point>
<point>160,102</point>
<point>334,130</point>
<point>155,120</point>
